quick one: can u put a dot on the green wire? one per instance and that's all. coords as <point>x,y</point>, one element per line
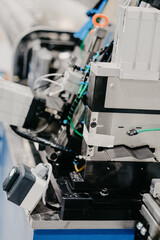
<point>148,130</point>
<point>75,129</point>
<point>82,45</point>
<point>82,91</point>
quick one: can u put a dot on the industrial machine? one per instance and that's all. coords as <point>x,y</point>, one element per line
<point>92,105</point>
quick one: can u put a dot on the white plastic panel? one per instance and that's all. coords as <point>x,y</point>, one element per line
<point>137,48</point>
<point>15,101</point>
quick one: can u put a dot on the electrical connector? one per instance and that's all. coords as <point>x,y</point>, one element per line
<point>132,132</point>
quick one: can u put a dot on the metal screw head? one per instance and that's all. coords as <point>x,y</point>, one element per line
<point>12,172</point>
<point>143,231</point>
<point>139,225</point>
<point>111,85</point>
<point>104,192</point>
<point>93,124</point>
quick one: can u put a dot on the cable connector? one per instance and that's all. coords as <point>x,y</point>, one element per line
<point>132,132</point>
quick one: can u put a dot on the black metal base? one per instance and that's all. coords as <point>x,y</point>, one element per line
<point>105,190</point>
<point>96,205</point>
<point>115,195</point>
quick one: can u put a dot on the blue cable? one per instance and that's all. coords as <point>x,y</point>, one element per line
<point>88,25</point>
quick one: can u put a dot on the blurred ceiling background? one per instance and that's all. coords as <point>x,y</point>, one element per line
<point>17,16</point>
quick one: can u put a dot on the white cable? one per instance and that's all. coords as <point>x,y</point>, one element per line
<point>48,91</point>
<point>45,78</point>
<point>51,94</point>
<point>49,166</point>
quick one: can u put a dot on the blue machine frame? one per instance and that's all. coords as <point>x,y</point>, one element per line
<point>84,234</point>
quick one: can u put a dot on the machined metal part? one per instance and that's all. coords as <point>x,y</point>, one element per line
<point>48,221</point>
<point>155,188</point>
<point>152,206</point>
<point>94,43</point>
<point>117,114</point>
<point>153,225</point>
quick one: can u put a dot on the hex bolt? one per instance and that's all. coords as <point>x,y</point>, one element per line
<point>143,231</point>
<point>139,225</point>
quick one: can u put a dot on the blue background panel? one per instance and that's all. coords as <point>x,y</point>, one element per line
<point>85,234</point>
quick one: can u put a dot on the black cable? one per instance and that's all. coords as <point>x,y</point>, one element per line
<point>44,85</point>
<point>39,140</point>
<point>107,54</point>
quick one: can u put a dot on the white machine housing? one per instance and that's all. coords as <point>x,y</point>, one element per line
<point>15,102</point>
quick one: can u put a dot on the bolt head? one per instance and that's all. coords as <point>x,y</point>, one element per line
<point>139,225</point>
<point>143,231</point>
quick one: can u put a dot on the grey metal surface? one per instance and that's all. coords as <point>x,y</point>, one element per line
<point>49,223</point>
<point>127,93</point>
<point>105,69</point>
<point>153,225</point>
<point>130,94</point>
<point>121,152</point>
<point>118,124</point>
<point>126,106</point>
<point>152,206</point>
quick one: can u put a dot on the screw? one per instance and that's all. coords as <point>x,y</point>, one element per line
<point>139,225</point>
<point>143,231</point>
<point>111,85</point>
<point>104,192</point>
<point>93,124</point>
